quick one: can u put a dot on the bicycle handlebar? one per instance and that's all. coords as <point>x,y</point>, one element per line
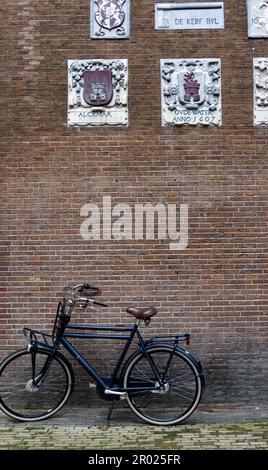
<point>89,300</point>
<point>83,292</point>
<point>84,287</point>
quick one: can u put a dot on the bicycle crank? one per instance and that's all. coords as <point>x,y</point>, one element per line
<point>120,395</point>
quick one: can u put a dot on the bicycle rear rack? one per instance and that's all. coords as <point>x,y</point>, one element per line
<point>174,338</point>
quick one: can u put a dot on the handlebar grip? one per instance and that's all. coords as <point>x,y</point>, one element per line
<point>89,290</point>
<point>85,286</point>
<point>99,303</point>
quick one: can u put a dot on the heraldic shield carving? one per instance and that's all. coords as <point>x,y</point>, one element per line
<point>98,87</point>
<point>98,92</point>
<point>191,91</point>
<point>110,19</point>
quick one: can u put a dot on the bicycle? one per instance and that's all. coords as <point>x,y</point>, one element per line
<point>161,381</point>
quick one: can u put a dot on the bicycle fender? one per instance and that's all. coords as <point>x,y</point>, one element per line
<point>197,364</point>
<point>187,354</point>
<point>183,351</point>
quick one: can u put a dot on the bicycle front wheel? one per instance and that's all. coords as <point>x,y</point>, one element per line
<point>181,391</point>
<point>31,391</point>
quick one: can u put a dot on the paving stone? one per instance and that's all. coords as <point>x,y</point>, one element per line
<point>71,431</point>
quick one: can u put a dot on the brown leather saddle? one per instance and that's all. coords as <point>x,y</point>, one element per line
<point>142,313</point>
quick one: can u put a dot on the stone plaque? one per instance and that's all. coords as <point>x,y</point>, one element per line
<point>257,18</point>
<point>191,91</point>
<point>208,15</point>
<point>98,92</point>
<point>260,70</point>
<point>109,19</point>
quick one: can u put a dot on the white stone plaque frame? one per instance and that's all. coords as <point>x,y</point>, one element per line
<point>257,18</point>
<point>116,25</point>
<point>191,91</point>
<point>260,95</point>
<point>203,15</point>
<point>115,113</point>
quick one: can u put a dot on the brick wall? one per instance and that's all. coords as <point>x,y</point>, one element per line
<point>217,288</point>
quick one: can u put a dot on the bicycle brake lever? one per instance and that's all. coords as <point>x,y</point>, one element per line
<point>88,304</point>
<point>84,305</point>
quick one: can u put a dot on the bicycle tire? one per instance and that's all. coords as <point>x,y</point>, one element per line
<point>20,404</point>
<point>188,396</point>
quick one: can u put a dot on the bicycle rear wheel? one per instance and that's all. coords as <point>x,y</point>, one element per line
<point>28,399</point>
<point>180,394</point>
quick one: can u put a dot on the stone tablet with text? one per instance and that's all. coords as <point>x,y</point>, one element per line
<point>202,15</point>
<point>257,18</point>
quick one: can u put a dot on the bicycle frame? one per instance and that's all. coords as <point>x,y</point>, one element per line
<point>110,383</point>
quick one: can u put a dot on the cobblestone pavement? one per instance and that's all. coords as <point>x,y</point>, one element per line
<point>210,427</point>
<point>204,437</point>
<point>208,436</point>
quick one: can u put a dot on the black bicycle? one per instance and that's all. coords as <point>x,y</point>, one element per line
<point>161,381</point>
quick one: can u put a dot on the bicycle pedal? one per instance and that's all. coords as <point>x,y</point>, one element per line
<point>123,397</point>
<point>92,385</point>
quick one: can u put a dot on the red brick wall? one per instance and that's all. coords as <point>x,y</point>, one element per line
<point>217,288</point>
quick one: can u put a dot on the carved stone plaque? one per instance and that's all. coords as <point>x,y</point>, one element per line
<point>202,15</point>
<point>260,66</point>
<point>191,91</point>
<point>109,19</point>
<point>98,92</point>
<point>257,18</point>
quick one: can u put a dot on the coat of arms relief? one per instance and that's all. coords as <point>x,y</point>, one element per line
<point>191,91</point>
<point>110,19</point>
<point>260,66</point>
<point>98,92</point>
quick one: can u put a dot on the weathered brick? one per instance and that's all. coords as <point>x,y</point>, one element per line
<point>217,287</point>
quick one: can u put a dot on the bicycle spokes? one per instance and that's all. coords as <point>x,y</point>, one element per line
<point>33,385</point>
<point>176,396</point>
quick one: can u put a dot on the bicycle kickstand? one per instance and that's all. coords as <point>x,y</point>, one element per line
<point>109,416</point>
